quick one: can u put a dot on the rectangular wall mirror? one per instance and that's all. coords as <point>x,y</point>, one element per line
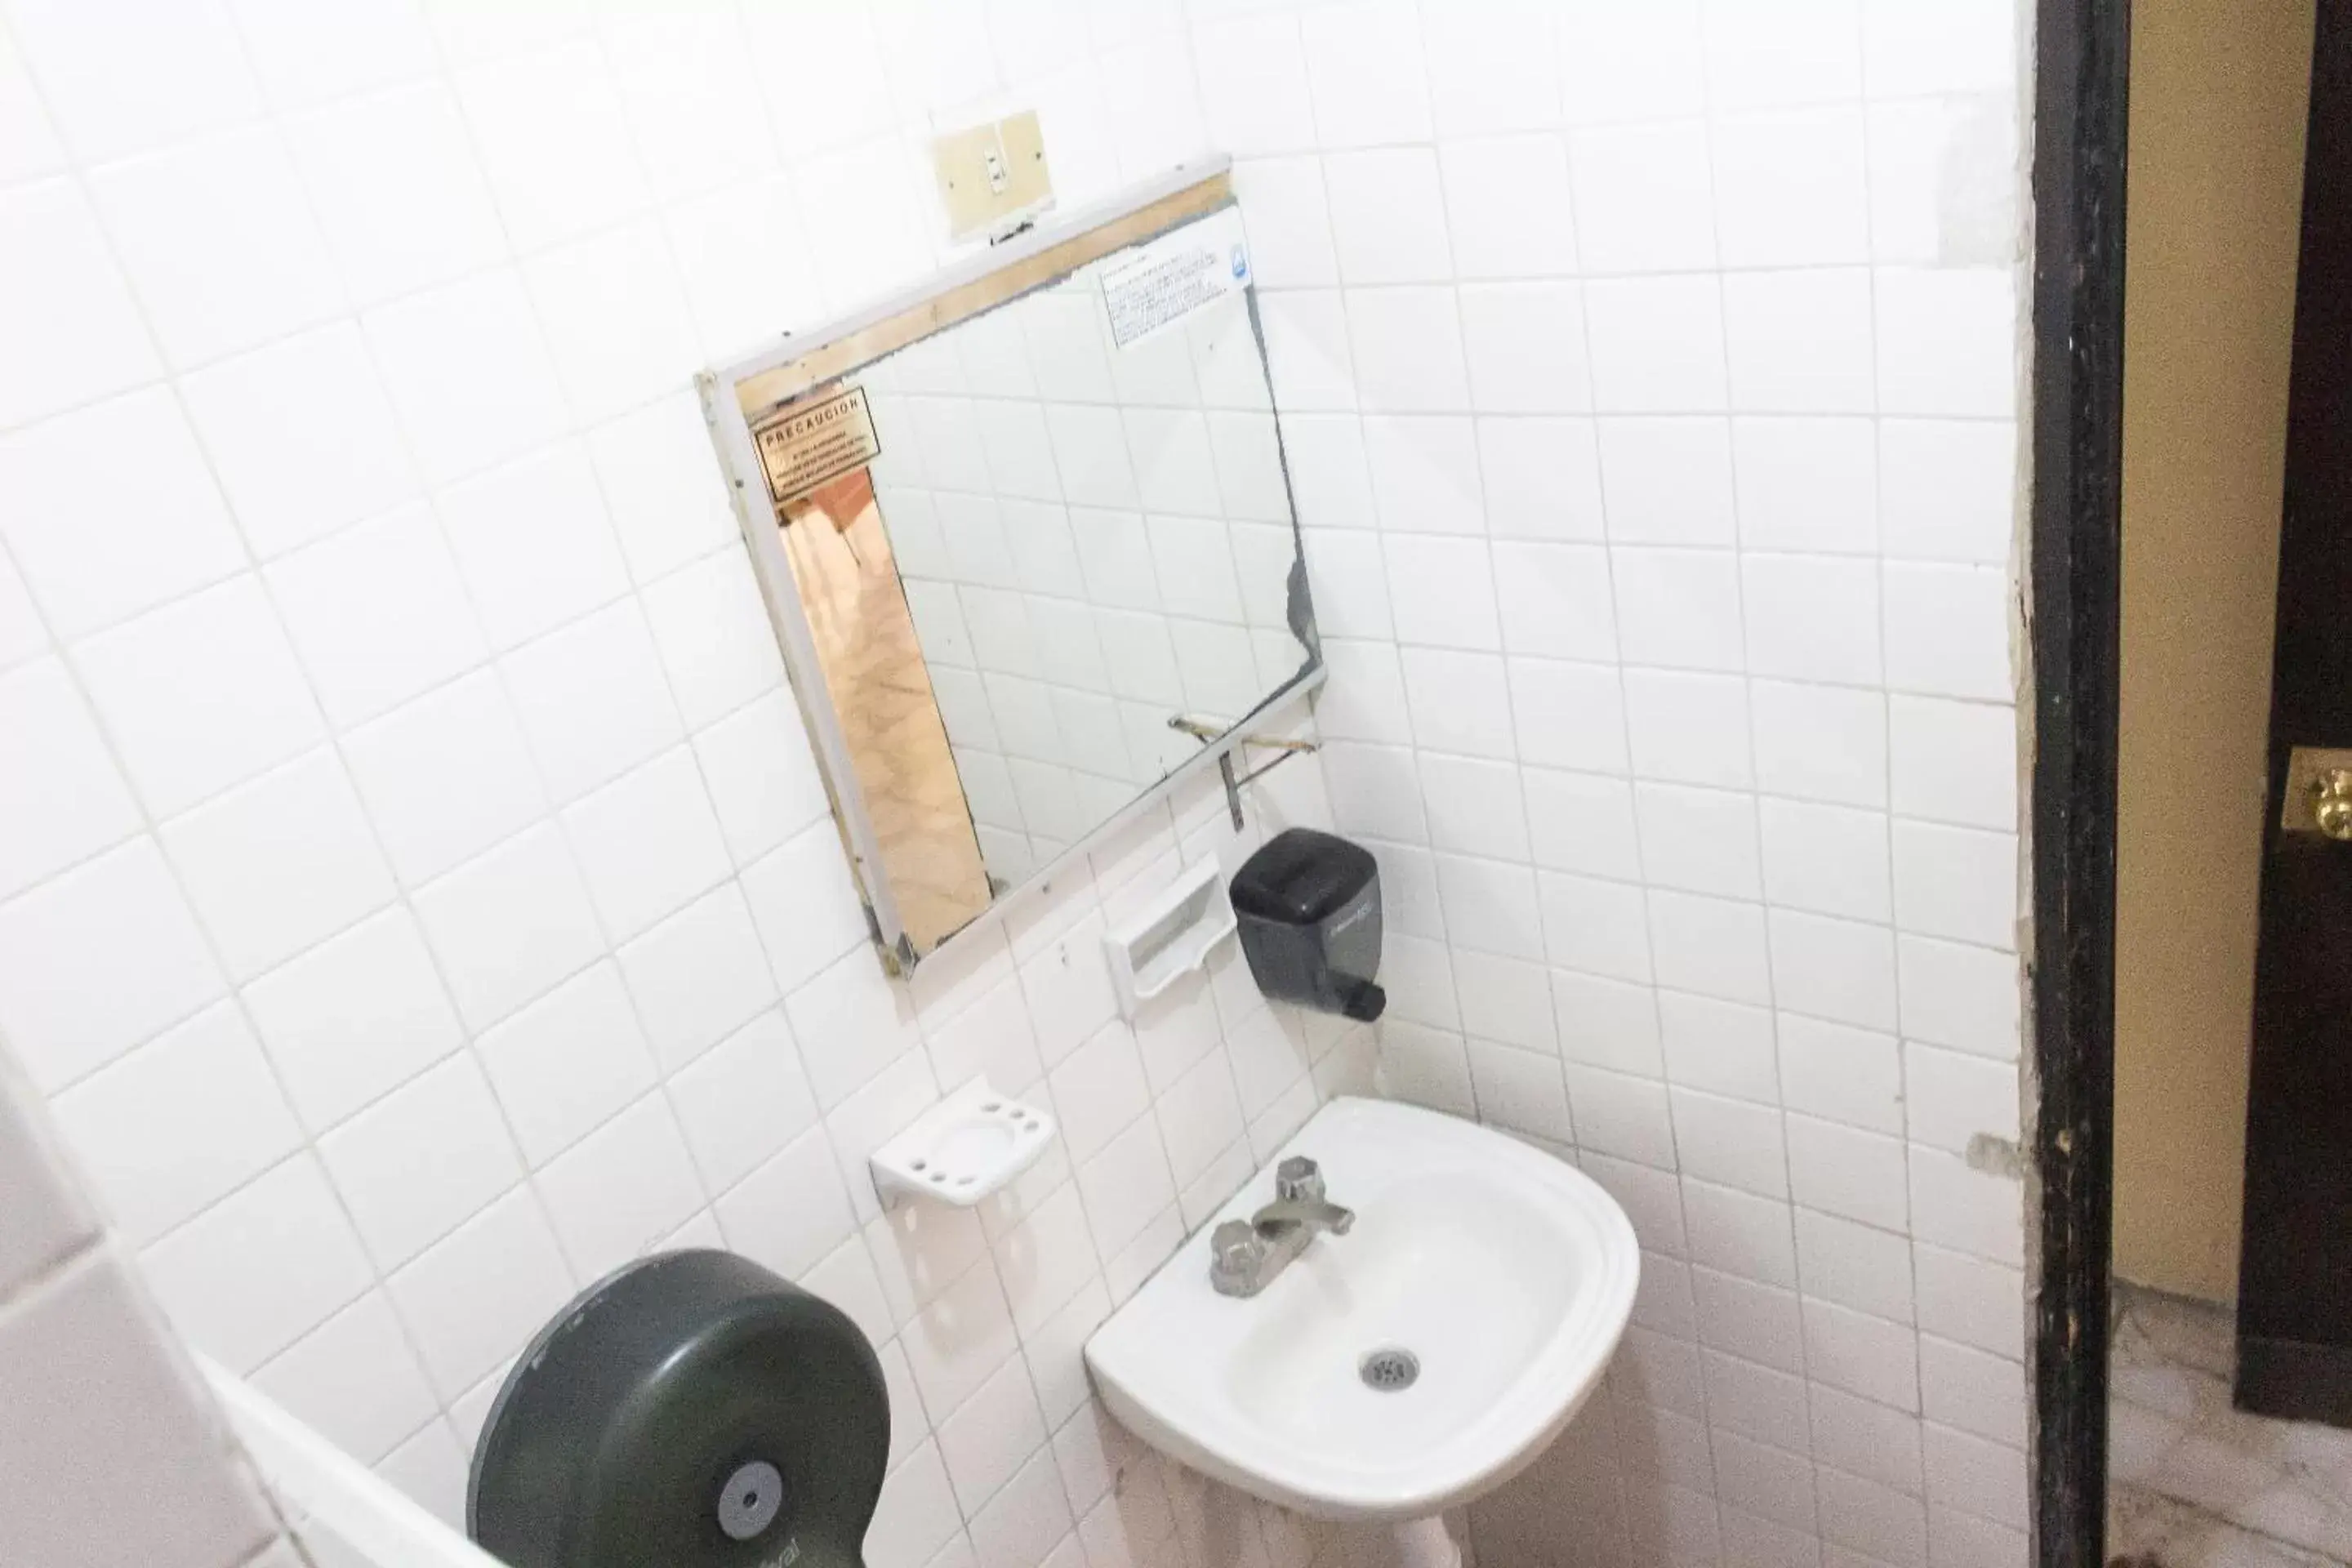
<point>1026,537</point>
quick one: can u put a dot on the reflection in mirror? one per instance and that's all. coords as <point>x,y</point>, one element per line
<point>1039,553</point>
<point>849,579</point>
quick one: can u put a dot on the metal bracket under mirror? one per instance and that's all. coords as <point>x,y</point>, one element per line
<point>1229,742</point>
<point>1015,527</point>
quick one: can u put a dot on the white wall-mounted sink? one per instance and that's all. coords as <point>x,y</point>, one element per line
<point>1507,1273</point>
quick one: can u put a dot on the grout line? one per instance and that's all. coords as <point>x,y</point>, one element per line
<point>76,1260</point>
<point>515,257</point>
<point>1887,728</point>
<point>554,810</point>
<point>151,827</point>
<point>1711,133</point>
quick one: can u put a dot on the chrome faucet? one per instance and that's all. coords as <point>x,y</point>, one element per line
<point>1246,1255</point>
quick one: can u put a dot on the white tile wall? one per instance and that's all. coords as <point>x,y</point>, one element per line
<point>408,748</point>
<point>1750,719</point>
<point>102,1402</point>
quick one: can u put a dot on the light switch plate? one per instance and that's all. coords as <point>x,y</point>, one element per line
<point>992,177</point>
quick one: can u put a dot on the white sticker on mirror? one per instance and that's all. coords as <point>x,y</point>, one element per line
<point>1159,283</point>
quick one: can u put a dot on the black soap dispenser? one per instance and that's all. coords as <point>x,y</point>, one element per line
<point>1310,906</point>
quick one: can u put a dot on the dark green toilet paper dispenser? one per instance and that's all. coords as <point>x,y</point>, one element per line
<point>691,1410</point>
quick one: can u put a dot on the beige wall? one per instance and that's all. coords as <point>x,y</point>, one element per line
<point>2218,94</point>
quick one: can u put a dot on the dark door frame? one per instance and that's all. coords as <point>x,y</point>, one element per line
<point>2074,612</point>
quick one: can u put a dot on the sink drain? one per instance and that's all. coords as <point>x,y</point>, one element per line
<point>1389,1369</point>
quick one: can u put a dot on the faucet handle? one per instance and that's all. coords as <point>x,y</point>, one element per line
<point>1298,1180</point>
<point>1235,1253</point>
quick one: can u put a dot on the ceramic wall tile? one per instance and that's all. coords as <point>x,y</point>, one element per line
<point>415,753</point>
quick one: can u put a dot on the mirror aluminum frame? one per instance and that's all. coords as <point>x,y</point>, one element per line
<point>799,363</point>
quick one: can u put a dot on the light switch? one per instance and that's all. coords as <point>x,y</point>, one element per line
<point>993,177</point>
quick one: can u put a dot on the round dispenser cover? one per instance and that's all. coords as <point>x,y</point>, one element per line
<point>690,1410</point>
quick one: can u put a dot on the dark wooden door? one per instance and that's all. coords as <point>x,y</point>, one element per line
<point>2295,1307</point>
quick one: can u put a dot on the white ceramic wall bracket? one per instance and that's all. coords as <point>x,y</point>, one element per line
<point>1171,936</point>
<point>962,1149</point>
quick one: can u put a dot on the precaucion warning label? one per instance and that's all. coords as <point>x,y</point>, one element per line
<point>813,442</point>
<point>1159,283</point>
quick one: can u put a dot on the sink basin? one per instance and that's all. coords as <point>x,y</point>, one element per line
<point>1506,1274</point>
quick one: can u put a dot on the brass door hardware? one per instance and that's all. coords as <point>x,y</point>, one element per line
<point>2318,793</point>
<point>2331,804</point>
